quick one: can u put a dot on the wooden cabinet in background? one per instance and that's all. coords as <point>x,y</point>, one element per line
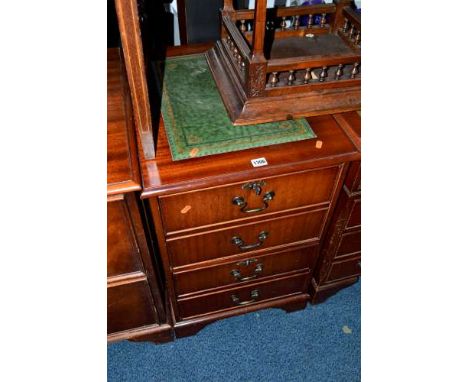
<point>340,258</point>
<point>135,305</point>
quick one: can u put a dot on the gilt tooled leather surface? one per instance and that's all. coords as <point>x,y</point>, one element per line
<point>196,120</point>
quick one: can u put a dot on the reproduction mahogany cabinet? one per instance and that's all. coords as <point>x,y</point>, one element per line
<point>135,305</point>
<point>340,263</point>
<point>235,238</point>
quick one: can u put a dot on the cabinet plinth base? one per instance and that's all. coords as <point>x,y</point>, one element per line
<point>193,326</point>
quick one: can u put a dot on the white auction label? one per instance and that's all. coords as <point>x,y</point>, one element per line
<point>259,162</point>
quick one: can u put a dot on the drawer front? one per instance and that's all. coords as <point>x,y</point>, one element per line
<point>350,243</point>
<point>238,297</point>
<point>215,205</point>
<point>355,217</point>
<point>344,269</point>
<point>242,271</point>
<point>122,248</point>
<point>129,306</point>
<point>353,178</point>
<point>246,238</point>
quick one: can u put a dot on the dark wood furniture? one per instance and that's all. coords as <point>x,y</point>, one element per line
<point>340,260</point>
<point>266,71</point>
<point>234,238</point>
<point>135,305</point>
<point>132,46</point>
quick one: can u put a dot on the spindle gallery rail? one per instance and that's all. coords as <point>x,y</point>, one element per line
<point>284,51</point>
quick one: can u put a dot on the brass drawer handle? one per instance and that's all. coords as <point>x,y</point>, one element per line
<point>254,294</point>
<point>239,201</point>
<point>236,240</point>
<point>257,188</point>
<point>238,276</point>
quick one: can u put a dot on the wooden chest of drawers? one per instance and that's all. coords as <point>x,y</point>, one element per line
<point>135,306</point>
<point>340,259</point>
<point>234,238</point>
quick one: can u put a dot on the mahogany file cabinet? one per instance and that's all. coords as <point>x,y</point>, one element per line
<point>135,305</point>
<point>340,260</point>
<point>235,238</point>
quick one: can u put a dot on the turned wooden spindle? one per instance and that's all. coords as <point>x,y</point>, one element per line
<point>235,51</point>
<point>355,70</point>
<point>310,21</point>
<point>307,76</point>
<point>323,20</point>
<point>323,74</point>
<point>243,27</point>
<point>357,39</point>
<point>283,23</point>
<point>291,77</point>
<point>239,59</point>
<point>274,79</point>
<point>339,72</point>
<point>345,26</point>
<point>296,23</point>
<point>351,31</point>
<point>243,65</point>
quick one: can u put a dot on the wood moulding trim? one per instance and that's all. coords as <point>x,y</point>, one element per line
<point>248,14</point>
<point>242,256</point>
<point>228,223</point>
<point>127,14</point>
<point>347,128</point>
<point>322,292</point>
<point>251,179</point>
<point>196,184</point>
<point>259,252</point>
<point>127,278</point>
<point>144,333</point>
<point>233,286</point>
<point>193,325</point>
<point>243,224</point>
<point>122,187</point>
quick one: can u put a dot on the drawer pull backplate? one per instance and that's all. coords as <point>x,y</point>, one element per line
<point>257,188</point>
<point>253,294</point>
<point>238,276</point>
<point>236,240</point>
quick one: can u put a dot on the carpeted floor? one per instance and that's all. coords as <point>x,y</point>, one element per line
<point>321,344</point>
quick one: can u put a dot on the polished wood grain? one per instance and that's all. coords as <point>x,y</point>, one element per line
<point>271,264</point>
<point>344,269</point>
<point>355,215</point>
<point>291,229</point>
<point>189,327</point>
<point>217,301</point>
<point>185,201</point>
<point>187,210</point>
<point>241,63</point>
<point>122,161</point>
<point>122,247</point>
<point>350,243</point>
<point>135,304</point>
<point>129,26</point>
<point>324,291</point>
<point>130,306</point>
<point>163,176</point>
<point>340,257</point>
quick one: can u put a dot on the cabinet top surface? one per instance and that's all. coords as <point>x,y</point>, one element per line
<point>122,162</point>
<point>162,175</point>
